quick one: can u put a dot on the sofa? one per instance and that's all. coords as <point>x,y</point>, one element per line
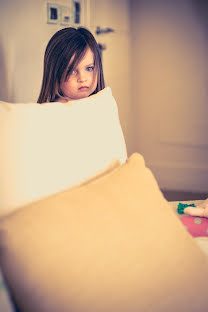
<point>104,240</point>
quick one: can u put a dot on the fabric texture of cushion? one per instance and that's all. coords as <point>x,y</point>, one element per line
<point>111,245</point>
<point>47,148</point>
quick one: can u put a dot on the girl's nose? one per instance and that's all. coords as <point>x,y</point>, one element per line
<point>82,76</point>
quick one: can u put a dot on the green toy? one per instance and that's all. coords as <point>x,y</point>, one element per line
<point>182,206</point>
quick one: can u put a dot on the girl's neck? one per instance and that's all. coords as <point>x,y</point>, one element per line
<point>63,100</point>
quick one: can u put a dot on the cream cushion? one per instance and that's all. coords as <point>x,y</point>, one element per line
<point>111,245</point>
<point>50,147</point>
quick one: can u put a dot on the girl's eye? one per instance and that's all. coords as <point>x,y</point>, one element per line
<point>90,68</point>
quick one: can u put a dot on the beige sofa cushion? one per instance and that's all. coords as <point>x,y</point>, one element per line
<point>111,245</point>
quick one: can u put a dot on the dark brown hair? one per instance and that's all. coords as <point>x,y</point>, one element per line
<point>64,44</point>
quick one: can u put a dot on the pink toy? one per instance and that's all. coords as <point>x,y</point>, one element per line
<point>196,226</point>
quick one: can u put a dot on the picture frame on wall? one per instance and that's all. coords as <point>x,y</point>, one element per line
<point>75,13</point>
<point>66,16</point>
<point>79,12</point>
<point>53,13</point>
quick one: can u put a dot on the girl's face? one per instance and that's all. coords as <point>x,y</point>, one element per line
<point>82,81</point>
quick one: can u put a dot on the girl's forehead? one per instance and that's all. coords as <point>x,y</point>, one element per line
<point>87,58</point>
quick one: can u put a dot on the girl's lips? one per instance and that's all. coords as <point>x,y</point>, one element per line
<point>83,88</point>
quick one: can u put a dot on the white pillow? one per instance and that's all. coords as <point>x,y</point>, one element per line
<point>50,147</point>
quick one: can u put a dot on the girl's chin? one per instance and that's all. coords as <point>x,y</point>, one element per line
<point>79,96</point>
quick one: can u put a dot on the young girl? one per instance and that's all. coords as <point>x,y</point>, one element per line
<point>72,66</point>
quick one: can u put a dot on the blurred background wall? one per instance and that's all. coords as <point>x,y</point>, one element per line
<point>155,61</point>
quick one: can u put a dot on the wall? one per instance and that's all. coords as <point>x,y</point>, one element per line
<point>169,86</point>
